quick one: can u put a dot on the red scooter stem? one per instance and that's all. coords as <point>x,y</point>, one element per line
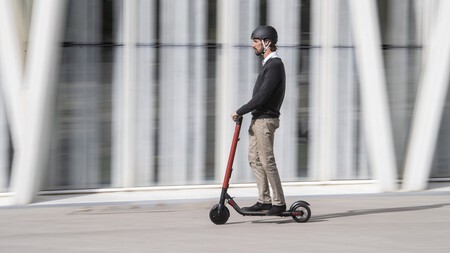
<point>237,130</point>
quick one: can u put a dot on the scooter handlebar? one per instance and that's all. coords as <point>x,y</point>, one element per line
<point>238,120</point>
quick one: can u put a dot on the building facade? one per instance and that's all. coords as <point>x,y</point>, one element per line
<point>139,93</point>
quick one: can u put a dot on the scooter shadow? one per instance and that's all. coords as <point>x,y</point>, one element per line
<point>273,221</point>
<point>266,220</point>
<point>326,217</point>
<point>377,211</point>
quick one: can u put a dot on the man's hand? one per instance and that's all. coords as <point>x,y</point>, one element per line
<point>235,116</point>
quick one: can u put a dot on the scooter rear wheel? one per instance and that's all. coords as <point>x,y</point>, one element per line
<point>300,211</point>
<point>219,218</point>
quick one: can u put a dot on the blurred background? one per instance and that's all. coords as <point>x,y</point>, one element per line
<point>191,66</point>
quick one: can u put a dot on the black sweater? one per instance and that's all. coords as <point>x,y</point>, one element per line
<point>268,93</point>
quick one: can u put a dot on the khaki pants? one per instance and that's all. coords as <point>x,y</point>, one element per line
<point>262,160</point>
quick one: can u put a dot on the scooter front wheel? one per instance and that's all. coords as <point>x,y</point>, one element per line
<point>300,211</point>
<point>219,218</point>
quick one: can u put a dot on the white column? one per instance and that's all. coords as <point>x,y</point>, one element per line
<point>197,93</point>
<point>146,71</point>
<point>129,95</point>
<point>430,103</point>
<point>347,153</point>
<point>288,38</point>
<point>173,88</point>
<point>39,81</point>
<point>376,119</point>
<point>322,157</point>
<point>226,91</point>
<point>425,13</point>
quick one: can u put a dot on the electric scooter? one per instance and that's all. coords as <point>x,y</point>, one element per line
<point>219,213</point>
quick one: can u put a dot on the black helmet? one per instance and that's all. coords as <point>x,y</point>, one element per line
<point>265,32</point>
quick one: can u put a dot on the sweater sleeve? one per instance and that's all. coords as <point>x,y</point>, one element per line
<point>271,78</point>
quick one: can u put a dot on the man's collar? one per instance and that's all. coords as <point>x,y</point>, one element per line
<point>271,55</point>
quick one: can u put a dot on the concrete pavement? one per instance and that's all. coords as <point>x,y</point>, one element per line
<point>369,222</point>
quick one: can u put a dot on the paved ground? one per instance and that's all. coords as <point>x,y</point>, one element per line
<point>398,222</point>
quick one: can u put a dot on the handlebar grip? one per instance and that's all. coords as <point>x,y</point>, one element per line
<point>238,120</point>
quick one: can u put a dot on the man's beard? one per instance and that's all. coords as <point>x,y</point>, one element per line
<point>258,53</point>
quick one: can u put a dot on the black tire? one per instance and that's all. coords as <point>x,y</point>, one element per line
<point>300,211</point>
<point>217,218</point>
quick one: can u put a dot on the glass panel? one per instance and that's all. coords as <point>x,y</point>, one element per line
<point>441,162</point>
<point>402,67</point>
<point>81,156</point>
<point>6,149</point>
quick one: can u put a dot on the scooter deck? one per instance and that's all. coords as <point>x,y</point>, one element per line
<point>242,211</point>
<point>264,213</point>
